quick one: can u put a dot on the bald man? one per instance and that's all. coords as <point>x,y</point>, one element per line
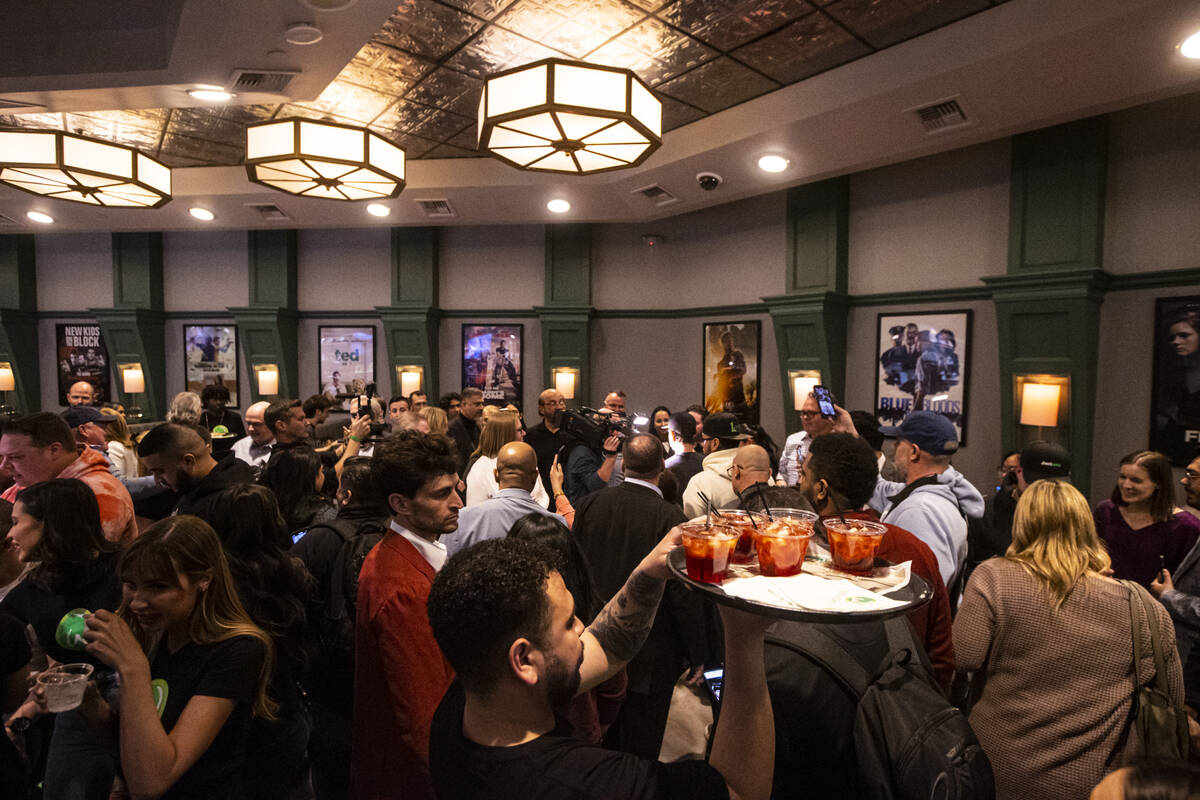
<point>750,476</point>
<point>516,473</point>
<point>81,393</point>
<point>181,460</point>
<point>255,447</point>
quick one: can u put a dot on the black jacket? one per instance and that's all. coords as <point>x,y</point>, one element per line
<point>616,527</point>
<point>200,500</point>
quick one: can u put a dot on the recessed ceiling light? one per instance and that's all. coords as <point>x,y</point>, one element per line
<point>211,94</point>
<point>328,5</point>
<point>378,210</point>
<point>303,33</point>
<point>773,163</point>
<point>202,213</point>
<point>1191,46</point>
<point>38,216</point>
<point>559,206</point>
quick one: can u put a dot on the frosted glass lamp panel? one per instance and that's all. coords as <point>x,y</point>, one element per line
<point>27,148</point>
<point>646,108</point>
<point>326,141</point>
<point>385,156</point>
<point>593,88</point>
<point>263,141</point>
<point>97,157</point>
<point>151,173</point>
<point>518,90</point>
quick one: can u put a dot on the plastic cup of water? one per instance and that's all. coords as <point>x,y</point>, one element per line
<point>64,686</point>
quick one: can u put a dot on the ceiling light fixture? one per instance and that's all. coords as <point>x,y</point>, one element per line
<point>211,94</point>
<point>378,210</point>
<point>303,34</point>
<point>38,216</point>
<point>1190,48</point>
<point>202,213</point>
<point>567,116</point>
<point>314,158</point>
<point>559,206</point>
<point>773,163</point>
<point>65,166</point>
<point>328,5</point>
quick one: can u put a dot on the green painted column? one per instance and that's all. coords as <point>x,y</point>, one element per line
<point>410,323</point>
<point>1048,305</point>
<point>134,328</point>
<point>18,320</point>
<point>565,318</point>
<point>268,326</point>
<point>810,319</point>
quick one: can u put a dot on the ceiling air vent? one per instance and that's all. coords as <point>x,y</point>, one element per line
<point>656,194</point>
<point>271,81</point>
<point>437,209</point>
<point>7,222</point>
<point>943,115</point>
<point>269,211</point>
<point>18,106</point>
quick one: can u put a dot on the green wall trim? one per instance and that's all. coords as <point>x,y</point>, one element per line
<point>568,264</point>
<point>415,267</point>
<point>272,268</point>
<point>818,236</point>
<point>1159,279</point>
<point>138,270</point>
<point>18,272</point>
<point>953,295</point>
<point>1062,284</point>
<point>18,319</point>
<point>269,336</point>
<point>137,334</point>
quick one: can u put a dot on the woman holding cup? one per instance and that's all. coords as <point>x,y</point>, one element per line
<point>56,528</point>
<point>193,666</point>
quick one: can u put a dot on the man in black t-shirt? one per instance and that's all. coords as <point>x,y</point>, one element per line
<point>506,623</point>
<point>547,438</point>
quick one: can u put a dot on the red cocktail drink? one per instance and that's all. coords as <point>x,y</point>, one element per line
<point>781,553</point>
<point>853,544</point>
<point>746,524</point>
<point>708,551</point>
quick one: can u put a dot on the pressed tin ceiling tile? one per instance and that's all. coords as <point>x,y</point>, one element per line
<point>575,27</point>
<point>484,9</point>
<point>44,120</point>
<point>677,114</point>
<point>349,101</point>
<point>450,90</point>
<point>107,126</point>
<point>213,153</point>
<point>205,124</point>
<point>308,112</point>
<point>654,50</point>
<point>885,22</point>
<point>179,162</point>
<point>385,69</point>
<point>726,24</point>
<point>450,151</point>
<point>248,114</point>
<point>717,85</point>
<point>424,121</point>
<point>809,45</point>
<point>427,28</point>
<point>413,146</point>
<point>467,139</point>
<point>496,49</point>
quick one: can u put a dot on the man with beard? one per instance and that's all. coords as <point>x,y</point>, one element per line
<point>507,623</point>
<point>399,672</point>
<point>795,447</point>
<point>179,460</point>
<point>547,438</point>
<point>1179,592</point>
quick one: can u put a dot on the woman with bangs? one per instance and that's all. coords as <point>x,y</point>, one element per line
<point>193,666</point>
<point>504,426</point>
<point>1052,638</point>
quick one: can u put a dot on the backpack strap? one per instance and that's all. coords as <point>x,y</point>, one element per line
<point>827,651</point>
<point>337,575</point>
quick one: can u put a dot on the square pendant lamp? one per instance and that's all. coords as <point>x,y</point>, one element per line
<point>65,166</point>
<point>569,117</point>
<point>315,158</point>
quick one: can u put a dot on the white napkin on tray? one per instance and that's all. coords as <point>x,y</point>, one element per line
<point>812,592</point>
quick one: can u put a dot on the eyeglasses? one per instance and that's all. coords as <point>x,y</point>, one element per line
<point>1191,474</point>
<point>809,414</point>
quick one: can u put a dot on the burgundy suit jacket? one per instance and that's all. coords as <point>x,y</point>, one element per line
<point>400,675</point>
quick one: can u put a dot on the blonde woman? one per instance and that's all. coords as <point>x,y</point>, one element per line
<point>438,422</point>
<point>185,409</point>
<point>504,427</point>
<point>122,452</point>
<point>1052,637</point>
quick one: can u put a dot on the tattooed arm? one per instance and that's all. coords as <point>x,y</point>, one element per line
<point>622,626</point>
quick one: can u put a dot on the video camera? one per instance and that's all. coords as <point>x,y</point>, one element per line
<point>364,410</point>
<point>592,427</point>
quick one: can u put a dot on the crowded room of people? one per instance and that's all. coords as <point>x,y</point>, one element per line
<point>840,440</point>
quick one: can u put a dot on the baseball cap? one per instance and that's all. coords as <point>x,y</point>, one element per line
<point>928,430</point>
<point>78,415</point>
<point>1043,459</point>
<point>724,426</point>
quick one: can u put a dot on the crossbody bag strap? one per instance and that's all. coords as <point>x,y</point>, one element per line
<point>1160,666</point>
<point>1135,627</point>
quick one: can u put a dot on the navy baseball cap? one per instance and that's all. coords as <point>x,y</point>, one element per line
<point>78,415</point>
<point>929,431</point>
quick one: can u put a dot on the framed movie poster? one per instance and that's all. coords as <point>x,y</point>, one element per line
<point>1175,402</point>
<point>347,359</point>
<point>210,358</point>
<point>922,365</point>
<point>492,361</point>
<point>82,356</point>
<point>731,361</point>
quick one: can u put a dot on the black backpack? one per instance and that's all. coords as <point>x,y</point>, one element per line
<point>335,625</point>
<point>910,742</point>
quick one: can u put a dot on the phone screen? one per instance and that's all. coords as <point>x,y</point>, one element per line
<point>713,679</point>
<point>824,401</point>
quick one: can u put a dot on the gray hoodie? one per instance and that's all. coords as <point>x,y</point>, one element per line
<point>935,513</point>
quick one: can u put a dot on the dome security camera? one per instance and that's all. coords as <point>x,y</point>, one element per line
<point>708,180</point>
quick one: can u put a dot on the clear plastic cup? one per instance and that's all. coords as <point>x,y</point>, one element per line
<point>781,551</point>
<point>853,544</point>
<point>708,551</point>
<point>64,686</point>
<point>746,524</point>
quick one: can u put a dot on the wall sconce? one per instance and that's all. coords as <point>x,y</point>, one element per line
<point>267,377</point>
<point>409,378</point>
<point>803,381</point>
<point>8,383</point>
<point>133,382</point>
<point>565,379</point>
<point>1043,401</point>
